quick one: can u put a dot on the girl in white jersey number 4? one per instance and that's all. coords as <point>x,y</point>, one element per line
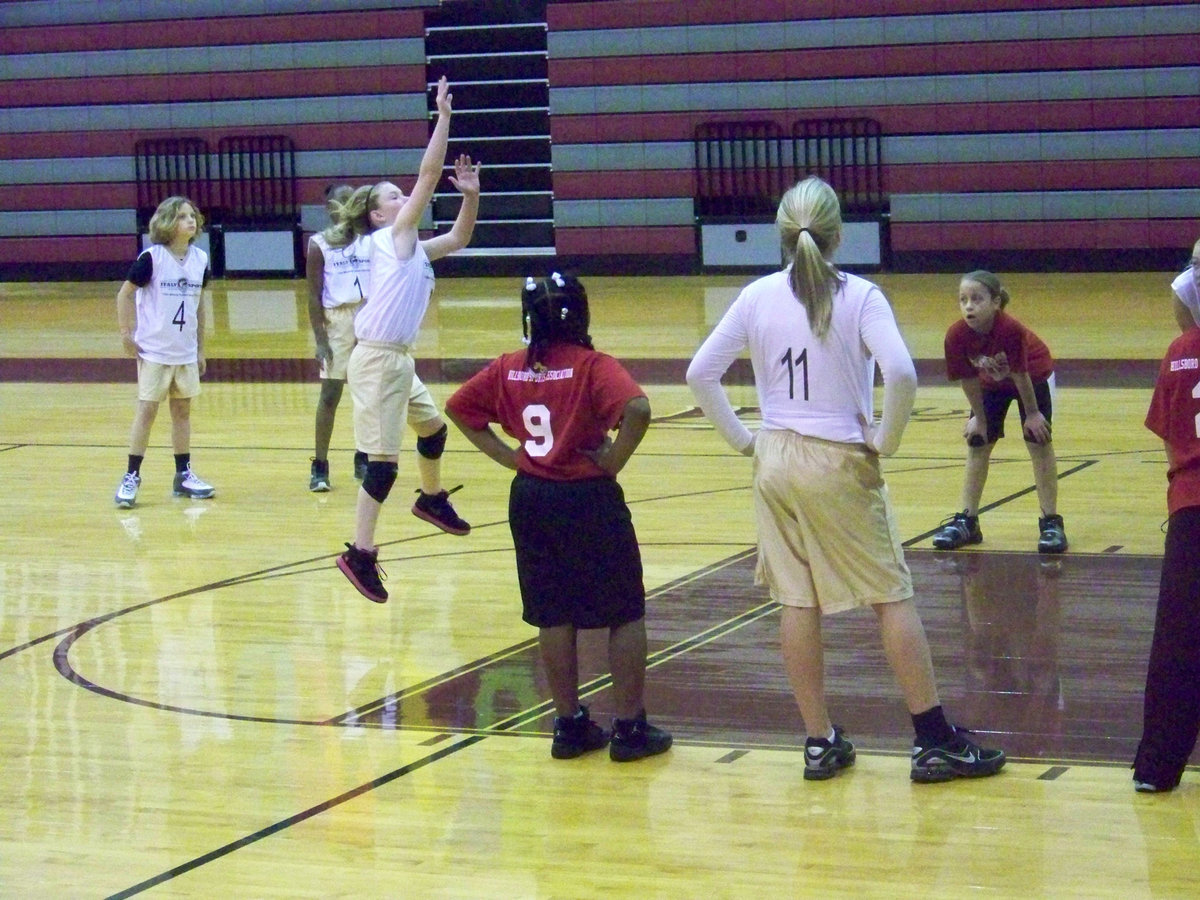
<point>158,311</point>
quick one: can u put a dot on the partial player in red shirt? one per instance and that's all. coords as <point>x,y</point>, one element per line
<point>999,360</point>
<point>1171,713</point>
<point>578,561</point>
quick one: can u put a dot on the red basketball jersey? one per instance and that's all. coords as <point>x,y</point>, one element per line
<point>1009,347</point>
<point>567,405</point>
<point>1175,417</point>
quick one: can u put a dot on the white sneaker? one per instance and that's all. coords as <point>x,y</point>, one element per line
<point>187,484</point>
<point>127,490</point>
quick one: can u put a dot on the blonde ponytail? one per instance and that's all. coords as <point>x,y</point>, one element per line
<point>341,230</point>
<point>809,220</point>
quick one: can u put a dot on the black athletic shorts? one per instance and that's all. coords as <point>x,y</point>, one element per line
<point>996,404</point>
<point>578,561</point>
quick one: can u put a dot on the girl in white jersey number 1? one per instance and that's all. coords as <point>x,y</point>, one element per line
<point>337,272</point>
<point>827,539</point>
<point>158,311</point>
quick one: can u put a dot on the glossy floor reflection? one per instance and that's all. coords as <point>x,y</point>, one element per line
<point>1044,657</point>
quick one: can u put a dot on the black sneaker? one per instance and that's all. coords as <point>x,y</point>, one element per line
<point>958,531</point>
<point>1152,775</point>
<point>360,466</point>
<point>318,476</point>
<point>189,484</point>
<point>436,508</point>
<point>636,739</point>
<point>1149,787</point>
<point>577,735</point>
<point>957,758</point>
<point>1053,538</point>
<point>823,759</point>
<point>363,569</point>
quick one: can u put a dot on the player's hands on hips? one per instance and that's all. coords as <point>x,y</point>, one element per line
<point>466,175</point>
<point>445,99</point>
<point>1036,428</point>
<point>600,455</point>
<point>870,433</point>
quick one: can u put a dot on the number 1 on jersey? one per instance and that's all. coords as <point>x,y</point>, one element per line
<point>800,362</point>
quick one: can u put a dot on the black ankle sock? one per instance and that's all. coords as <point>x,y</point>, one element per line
<point>932,728</point>
<point>182,460</point>
<point>135,464</point>
<point>574,720</point>
<point>627,725</point>
<point>821,741</point>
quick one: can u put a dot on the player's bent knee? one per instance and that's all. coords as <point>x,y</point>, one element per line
<point>380,478</point>
<point>434,446</point>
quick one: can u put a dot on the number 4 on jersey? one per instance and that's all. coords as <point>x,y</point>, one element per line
<point>180,319</point>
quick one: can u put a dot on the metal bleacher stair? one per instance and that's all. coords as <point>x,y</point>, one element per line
<point>494,54</point>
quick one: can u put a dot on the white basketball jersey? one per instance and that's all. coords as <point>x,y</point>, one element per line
<point>400,291</point>
<point>168,306</point>
<point>820,387</point>
<point>347,277</point>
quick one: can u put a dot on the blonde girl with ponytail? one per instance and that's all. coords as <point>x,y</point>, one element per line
<point>827,538</point>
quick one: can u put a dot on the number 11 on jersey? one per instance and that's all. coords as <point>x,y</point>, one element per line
<point>800,362</point>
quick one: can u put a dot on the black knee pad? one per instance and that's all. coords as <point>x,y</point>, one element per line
<point>380,478</point>
<point>434,446</point>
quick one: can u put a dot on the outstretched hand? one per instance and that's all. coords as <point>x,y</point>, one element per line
<point>445,99</point>
<point>466,175</point>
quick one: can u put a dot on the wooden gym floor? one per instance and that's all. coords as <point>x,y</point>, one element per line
<point>195,703</point>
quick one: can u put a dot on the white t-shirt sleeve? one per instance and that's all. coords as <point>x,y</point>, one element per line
<point>882,338</point>
<point>711,361</point>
